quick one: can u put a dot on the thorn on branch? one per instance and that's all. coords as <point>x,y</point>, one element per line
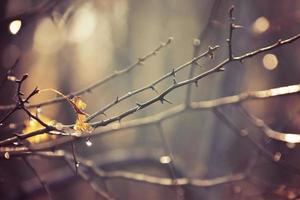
<point>231,12</point>
<point>174,81</point>
<point>235,26</point>
<point>162,99</point>
<point>222,69</point>
<point>119,119</point>
<point>169,41</point>
<point>231,28</point>
<point>153,88</point>
<point>24,77</point>
<point>173,73</point>
<point>141,60</point>
<point>139,106</point>
<point>211,50</point>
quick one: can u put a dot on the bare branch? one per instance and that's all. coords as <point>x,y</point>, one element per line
<point>275,135</point>
<point>146,178</point>
<point>154,83</point>
<point>89,88</point>
<point>202,105</point>
<point>43,183</point>
<point>194,79</point>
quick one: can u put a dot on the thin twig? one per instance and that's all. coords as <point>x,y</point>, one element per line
<point>293,138</point>
<point>76,162</point>
<point>202,105</point>
<point>198,45</point>
<point>161,97</point>
<point>154,83</point>
<point>146,178</point>
<point>43,183</point>
<point>258,147</point>
<point>91,87</point>
<point>88,179</point>
<point>167,150</point>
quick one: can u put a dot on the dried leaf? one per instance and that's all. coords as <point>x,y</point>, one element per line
<point>78,105</point>
<point>33,125</point>
<point>80,124</point>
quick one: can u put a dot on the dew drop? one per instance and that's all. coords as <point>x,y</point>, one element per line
<point>291,145</point>
<point>77,164</point>
<point>12,126</point>
<point>15,26</point>
<point>11,78</point>
<point>59,126</point>
<point>15,143</point>
<point>39,110</point>
<point>244,132</point>
<point>165,159</point>
<point>237,189</point>
<point>277,156</point>
<point>88,142</point>
<point>291,195</point>
<point>6,155</point>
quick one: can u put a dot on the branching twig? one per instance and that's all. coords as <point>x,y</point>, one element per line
<point>87,178</point>
<point>43,183</point>
<point>275,135</point>
<point>258,147</point>
<point>161,97</point>
<point>154,83</point>
<point>89,88</point>
<point>198,45</point>
<point>202,105</point>
<point>170,163</point>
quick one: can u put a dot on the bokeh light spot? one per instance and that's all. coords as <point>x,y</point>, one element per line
<point>15,26</point>
<point>261,25</point>
<point>270,61</point>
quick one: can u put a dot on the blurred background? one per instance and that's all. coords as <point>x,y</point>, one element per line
<point>68,45</point>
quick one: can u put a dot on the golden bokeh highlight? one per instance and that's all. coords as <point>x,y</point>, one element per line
<point>270,61</point>
<point>48,38</point>
<point>260,25</point>
<point>84,24</point>
<point>15,26</point>
<point>33,125</point>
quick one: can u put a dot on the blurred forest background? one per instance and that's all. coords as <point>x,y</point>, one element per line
<point>67,45</point>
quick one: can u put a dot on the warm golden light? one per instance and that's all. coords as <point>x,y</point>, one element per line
<point>15,26</point>
<point>84,24</point>
<point>292,138</point>
<point>270,61</point>
<point>260,25</point>
<point>48,38</point>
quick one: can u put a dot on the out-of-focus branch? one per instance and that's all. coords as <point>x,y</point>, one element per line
<point>42,182</point>
<point>197,43</point>
<point>275,135</point>
<point>89,88</point>
<point>99,191</point>
<point>143,177</point>
<point>170,161</point>
<point>258,147</point>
